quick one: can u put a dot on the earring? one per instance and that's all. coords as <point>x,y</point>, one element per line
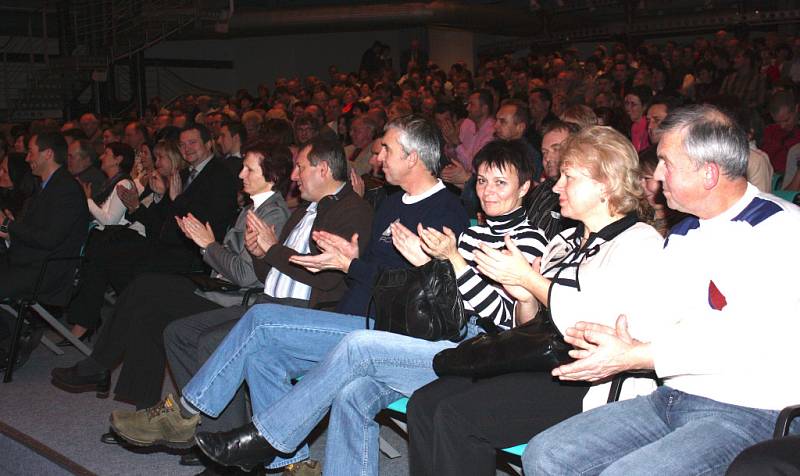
<point>602,200</point>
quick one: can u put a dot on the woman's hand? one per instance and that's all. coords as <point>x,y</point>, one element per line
<point>264,234</point>
<point>175,185</point>
<point>505,267</point>
<point>437,244</point>
<point>202,235</point>
<point>157,184</point>
<point>408,244</point>
<point>129,197</point>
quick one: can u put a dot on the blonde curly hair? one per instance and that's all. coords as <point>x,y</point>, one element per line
<point>610,159</point>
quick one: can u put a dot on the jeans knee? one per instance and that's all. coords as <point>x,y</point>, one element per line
<point>540,457</point>
<point>356,344</point>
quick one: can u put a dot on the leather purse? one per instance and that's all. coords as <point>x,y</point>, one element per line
<point>421,302</point>
<point>536,346</point>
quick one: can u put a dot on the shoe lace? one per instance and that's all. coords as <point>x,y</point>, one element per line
<point>159,409</point>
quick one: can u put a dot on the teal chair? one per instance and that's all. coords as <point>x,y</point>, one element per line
<point>776,182</point>
<point>787,195</point>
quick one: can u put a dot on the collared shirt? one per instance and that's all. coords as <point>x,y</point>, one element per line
<point>259,198</point>
<point>279,285</point>
<point>195,170</point>
<point>472,140</point>
<point>47,180</point>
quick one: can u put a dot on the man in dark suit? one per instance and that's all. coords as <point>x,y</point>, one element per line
<point>53,224</point>
<point>207,190</point>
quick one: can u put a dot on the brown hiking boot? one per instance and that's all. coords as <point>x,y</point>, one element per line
<point>309,467</point>
<point>161,424</point>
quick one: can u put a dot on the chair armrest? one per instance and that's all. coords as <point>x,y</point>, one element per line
<point>616,384</point>
<point>785,420</point>
<point>249,293</point>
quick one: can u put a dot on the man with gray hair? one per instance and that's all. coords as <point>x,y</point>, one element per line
<point>80,163</point>
<point>273,343</point>
<point>726,348</point>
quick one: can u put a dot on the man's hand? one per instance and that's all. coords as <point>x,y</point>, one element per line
<point>87,189</point>
<point>129,197</point>
<point>602,352</point>
<point>455,173</point>
<point>449,132</point>
<point>337,253</point>
<point>408,244</point>
<point>357,182</point>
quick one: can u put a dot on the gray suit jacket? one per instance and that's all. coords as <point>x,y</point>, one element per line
<point>231,258</point>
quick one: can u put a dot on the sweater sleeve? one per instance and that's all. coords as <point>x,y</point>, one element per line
<point>113,210</point>
<point>488,298</point>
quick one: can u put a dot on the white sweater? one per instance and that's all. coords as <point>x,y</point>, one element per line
<point>112,212</point>
<point>731,308</point>
<point>615,275</point>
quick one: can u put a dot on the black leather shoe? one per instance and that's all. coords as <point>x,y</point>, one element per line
<point>69,380</point>
<point>192,458</point>
<point>243,447</point>
<point>86,337</point>
<point>110,438</point>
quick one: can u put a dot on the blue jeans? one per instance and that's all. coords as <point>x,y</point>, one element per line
<point>359,373</point>
<point>666,432</point>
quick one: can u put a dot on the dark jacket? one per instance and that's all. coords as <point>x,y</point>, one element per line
<point>55,223</point>
<point>342,214</point>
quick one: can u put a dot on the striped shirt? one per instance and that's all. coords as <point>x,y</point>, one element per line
<point>485,297</point>
<point>279,285</point>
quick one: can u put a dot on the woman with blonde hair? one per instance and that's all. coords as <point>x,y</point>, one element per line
<point>590,272</point>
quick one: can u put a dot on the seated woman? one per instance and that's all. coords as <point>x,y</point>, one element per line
<point>367,369</point>
<point>656,213</point>
<point>138,216</point>
<point>16,182</point>
<point>107,208</point>
<point>154,300</point>
<point>455,423</point>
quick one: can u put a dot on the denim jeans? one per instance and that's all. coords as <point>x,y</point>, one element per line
<point>359,372</point>
<point>666,432</point>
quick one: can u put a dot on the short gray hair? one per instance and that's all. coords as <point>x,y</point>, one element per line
<point>418,133</point>
<point>86,150</point>
<point>710,136</point>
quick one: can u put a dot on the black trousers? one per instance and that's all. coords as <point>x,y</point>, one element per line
<point>134,333</point>
<point>190,342</point>
<point>116,262</point>
<point>455,425</point>
<point>779,457</point>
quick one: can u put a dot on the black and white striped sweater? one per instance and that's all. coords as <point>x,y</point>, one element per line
<point>482,295</point>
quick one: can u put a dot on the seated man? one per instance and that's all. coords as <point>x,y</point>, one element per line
<point>132,334</point>
<point>207,190</point>
<point>320,171</point>
<point>289,341</point>
<point>726,342</point>
<point>54,224</point>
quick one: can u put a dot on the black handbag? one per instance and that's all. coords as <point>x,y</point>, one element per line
<point>536,346</point>
<point>421,302</point>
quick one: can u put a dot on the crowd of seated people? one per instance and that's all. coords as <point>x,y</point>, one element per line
<point>596,183</point>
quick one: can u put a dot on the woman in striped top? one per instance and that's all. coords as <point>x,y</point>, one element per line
<point>503,179</point>
<point>594,271</point>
